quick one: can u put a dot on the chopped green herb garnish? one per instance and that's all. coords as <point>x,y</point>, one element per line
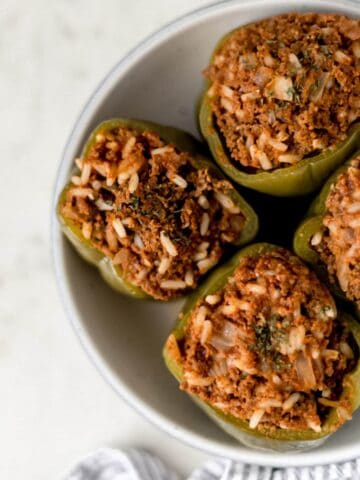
<point>134,203</point>
<point>293,92</point>
<point>325,50</point>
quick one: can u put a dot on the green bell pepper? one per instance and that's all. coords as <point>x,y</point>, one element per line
<point>296,180</point>
<point>183,141</point>
<point>278,439</point>
<point>312,223</point>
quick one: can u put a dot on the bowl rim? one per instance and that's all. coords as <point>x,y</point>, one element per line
<point>237,452</point>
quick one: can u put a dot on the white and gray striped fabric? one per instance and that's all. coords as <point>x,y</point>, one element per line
<point>110,464</point>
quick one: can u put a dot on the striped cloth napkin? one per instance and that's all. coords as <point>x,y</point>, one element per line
<point>110,464</point>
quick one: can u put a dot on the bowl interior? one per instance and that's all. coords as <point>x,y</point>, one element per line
<point>161,80</point>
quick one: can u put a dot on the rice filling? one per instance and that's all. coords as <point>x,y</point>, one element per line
<point>338,242</point>
<point>143,204</point>
<point>267,347</point>
<point>286,88</point>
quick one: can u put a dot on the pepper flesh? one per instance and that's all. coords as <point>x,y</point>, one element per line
<point>183,142</point>
<point>312,224</point>
<point>279,439</point>
<point>302,178</point>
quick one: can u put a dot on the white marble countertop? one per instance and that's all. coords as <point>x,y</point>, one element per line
<point>54,406</point>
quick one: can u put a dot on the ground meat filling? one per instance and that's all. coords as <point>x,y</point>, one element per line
<point>338,242</point>
<point>144,204</point>
<point>267,348</point>
<point>286,88</point>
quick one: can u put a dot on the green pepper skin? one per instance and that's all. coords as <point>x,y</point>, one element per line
<point>303,178</point>
<point>310,225</point>
<point>276,440</point>
<point>183,142</point>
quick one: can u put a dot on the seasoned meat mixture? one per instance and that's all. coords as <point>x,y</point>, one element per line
<point>267,347</point>
<point>286,88</point>
<point>338,243</point>
<point>143,204</point>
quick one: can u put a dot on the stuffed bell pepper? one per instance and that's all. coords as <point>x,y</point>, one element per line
<point>149,210</point>
<point>263,350</point>
<point>329,238</point>
<point>282,101</point>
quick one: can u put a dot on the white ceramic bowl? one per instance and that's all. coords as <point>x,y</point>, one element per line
<point>161,80</point>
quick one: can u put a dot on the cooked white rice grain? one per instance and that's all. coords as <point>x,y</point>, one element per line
<point>199,256</point>
<point>196,380</point>
<point>110,181</point>
<point>168,244</point>
<point>355,223</point>
<point>212,299</point>
<point>276,379</point>
<point>314,426</point>
<point>142,275</point>
<point>203,246</point>
<point>103,206</point>
<point>256,289</point>
<point>123,177</point>
<point>346,350</point>
<point>119,228</point>
<point>354,208</point>
<point>204,225</point>
<point>87,230</point>
<point>256,418</point>
<point>224,200</point>
<point>173,284</point>
<point>200,316</point>
<point>189,278</point>
<point>114,146</point>
<point>179,181</point>
<point>206,332</point>
<point>129,145</point>
<point>316,238</point>
<point>160,150</point>
<point>326,393</point>
<point>227,104</point>
<point>147,262</point>
<point>111,237</point>
<point>206,264</point>
<point>228,309</point>
<point>295,61</point>
<point>133,182</point>
<point>96,185</point>
<point>270,403</point>
<point>343,413</point>
<point>297,337</point>
<point>85,174</point>
<point>164,265</point>
<point>330,354</point>
<point>138,241</point>
<point>127,221</point>
<point>82,193</point>
<point>290,401</point>
<point>204,202</point>
<point>289,158</point>
<point>76,180</point>
<point>102,168</point>
<point>100,137</point>
<point>79,163</point>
